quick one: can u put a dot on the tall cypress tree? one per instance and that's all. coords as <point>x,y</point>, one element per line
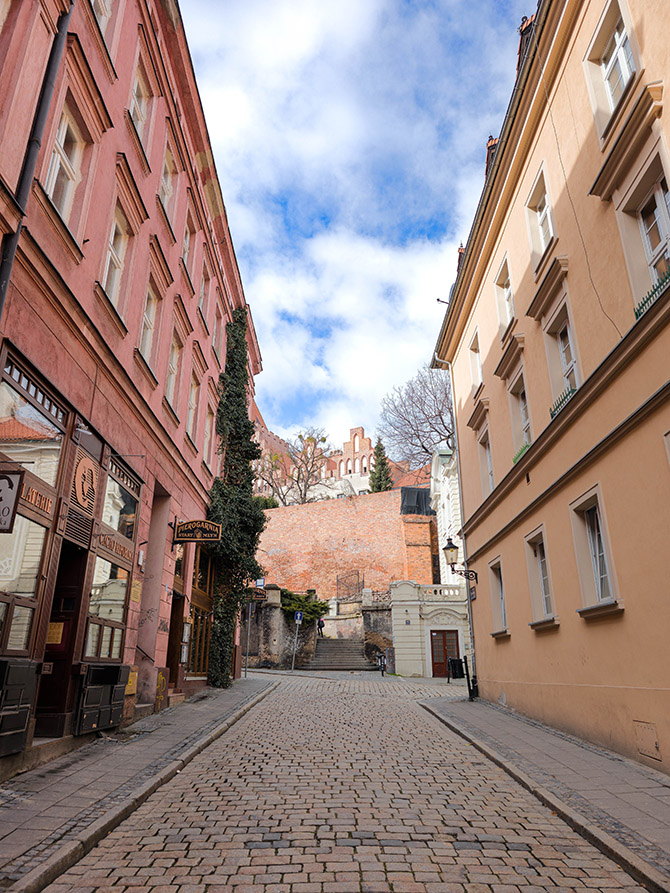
<point>380,476</point>
<point>232,504</point>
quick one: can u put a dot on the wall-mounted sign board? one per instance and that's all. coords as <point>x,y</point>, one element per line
<point>197,532</point>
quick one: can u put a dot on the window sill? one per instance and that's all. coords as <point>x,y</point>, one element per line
<point>145,368</point>
<point>500,634</point>
<point>58,224</point>
<point>167,406</point>
<point>545,624</point>
<point>137,142</point>
<point>189,443</point>
<point>163,214</point>
<point>476,391</point>
<point>107,305</point>
<point>602,609</point>
<point>538,268</point>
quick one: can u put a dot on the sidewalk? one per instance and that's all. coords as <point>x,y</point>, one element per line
<point>621,806</point>
<point>51,816</point>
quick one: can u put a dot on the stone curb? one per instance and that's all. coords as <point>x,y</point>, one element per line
<point>74,850</point>
<point>650,877</point>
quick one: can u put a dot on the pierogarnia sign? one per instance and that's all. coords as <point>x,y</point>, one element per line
<point>197,532</point>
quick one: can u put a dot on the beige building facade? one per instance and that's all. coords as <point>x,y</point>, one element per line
<point>557,335</point>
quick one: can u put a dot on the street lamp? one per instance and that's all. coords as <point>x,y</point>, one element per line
<point>451,556</point>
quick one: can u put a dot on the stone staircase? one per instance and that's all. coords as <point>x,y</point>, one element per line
<point>339,654</point>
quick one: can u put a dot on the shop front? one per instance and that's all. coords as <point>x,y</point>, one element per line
<point>65,568</point>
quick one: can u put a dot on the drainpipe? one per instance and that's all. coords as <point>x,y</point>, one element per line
<point>446,364</point>
<point>10,241</point>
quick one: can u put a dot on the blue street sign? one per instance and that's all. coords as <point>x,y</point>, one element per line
<point>298,616</point>
<point>260,583</point>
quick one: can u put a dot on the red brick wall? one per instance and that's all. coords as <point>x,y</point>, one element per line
<point>307,546</point>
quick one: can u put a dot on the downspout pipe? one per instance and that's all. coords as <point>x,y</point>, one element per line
<point>10,241</point>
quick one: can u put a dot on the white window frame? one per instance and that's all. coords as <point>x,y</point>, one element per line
<point>592,549</point>
<point>504,296</point>
<point>556,327</point>
<point>486,459</point>
<point>209,436</point>
<point>566,354</point>
<point>117,248</point>
<point>498,606</point>
<point>541,230</point>
<point>168,177</point>
<point>140,101</point>
<point>173,370</point>
<point>621,59</point>
<point>539,576</point>
<point>521,426</point>
<point>476,369</point>
<point>661,252</point>
<point>193,400</point>
<point>66,166</point>
<point>149,323</point>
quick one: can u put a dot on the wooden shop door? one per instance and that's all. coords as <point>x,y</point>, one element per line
<point>443,645</point>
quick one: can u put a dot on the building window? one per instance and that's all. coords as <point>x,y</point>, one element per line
<point>476,362</point>
<point>116,252</point>
<point>654,217</point>
<point>187,245</point>
<point>139,103</point>
<point>357,444</point>
<point>192,416</point>
<point>349,467</point>
<point>218,333</point>
<point>20,562</point>
<point>498,597</point>
<point>617,64</point>
<point>65,166</point>
<point>209,437</point>
<point>341,469</point>
<point>486,460</point>
<point>205,281</point>
<point>102,10</point>
<point>364,465</point>
<point>540,224</point>
<point>520,413</point>
<point>168,178</point>
<point>504,296</point>
<point>107,611</point>
<point>594,564</point>
<point>149,322</point>
<point>174,366</point>
<point>567,356</point>
<point>356,465</point>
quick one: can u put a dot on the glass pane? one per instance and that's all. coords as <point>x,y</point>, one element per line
<point>116,643</point>
<point>120,508</point>
<point>108,593</point>
<point>28,436</point>
<point>651,223</point>
<point>19,631</point>
<point>92,640</point>
<point>20,557</point>
<point>105,648</point>
<point>662,266</point>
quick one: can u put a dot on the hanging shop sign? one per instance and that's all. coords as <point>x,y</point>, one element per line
<point>10,488</point>
<point>197,532</point>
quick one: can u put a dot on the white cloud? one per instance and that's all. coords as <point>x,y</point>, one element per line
<point>349,139</point>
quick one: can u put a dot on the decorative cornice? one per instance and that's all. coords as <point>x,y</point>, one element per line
<point>199,362</point>
<point>647,108</point>
<point>510,357</point>
<point>479,415</point>
<point>87,96</point>
<point>548,288</point>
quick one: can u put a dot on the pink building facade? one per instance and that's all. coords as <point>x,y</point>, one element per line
<point>112,341</point>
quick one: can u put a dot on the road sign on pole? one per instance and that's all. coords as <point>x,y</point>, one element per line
<point>298,621</point>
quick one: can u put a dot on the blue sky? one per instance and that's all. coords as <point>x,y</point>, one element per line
<point>349,138</point>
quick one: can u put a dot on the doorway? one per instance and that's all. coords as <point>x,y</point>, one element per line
<point>56,695</point>
<point>443,645</point>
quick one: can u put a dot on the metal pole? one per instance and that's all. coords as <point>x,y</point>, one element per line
<point>246,662</point>
<point>295,645</point>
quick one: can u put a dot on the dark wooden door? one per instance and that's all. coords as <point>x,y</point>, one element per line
<point>443,645</point>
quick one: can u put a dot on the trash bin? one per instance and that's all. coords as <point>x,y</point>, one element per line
<point>456,670</point>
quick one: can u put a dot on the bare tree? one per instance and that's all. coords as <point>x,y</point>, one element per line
<point>292,474</point>
<point>417,417</point>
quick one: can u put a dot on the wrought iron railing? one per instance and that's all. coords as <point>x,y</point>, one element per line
<point>562,400</point>
<point>519,453</point>
<point>653,295</point>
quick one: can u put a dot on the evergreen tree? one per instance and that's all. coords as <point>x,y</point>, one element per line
<point>233,504</point>
<point>380,476</point>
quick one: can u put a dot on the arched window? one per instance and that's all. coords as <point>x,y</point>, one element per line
<point>364,465</point>
<point>357,465</point>
<point>348,466</point>
<point>341,469</point>
<point>357,443</point>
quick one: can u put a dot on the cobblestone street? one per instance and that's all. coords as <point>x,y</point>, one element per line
<point>343,785</point>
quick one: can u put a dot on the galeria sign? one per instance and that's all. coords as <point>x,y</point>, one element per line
<point>197,532</point>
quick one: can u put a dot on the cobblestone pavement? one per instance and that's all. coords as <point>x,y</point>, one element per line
<point>332,786</point>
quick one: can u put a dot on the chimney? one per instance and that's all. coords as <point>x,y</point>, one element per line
<point>491,147</point>
<point>525,35</point>
<point>461,255</point>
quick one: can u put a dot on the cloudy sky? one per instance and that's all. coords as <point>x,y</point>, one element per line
<point>349,138</point>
